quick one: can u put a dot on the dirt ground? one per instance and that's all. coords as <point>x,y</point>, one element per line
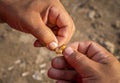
<point>21,62</point>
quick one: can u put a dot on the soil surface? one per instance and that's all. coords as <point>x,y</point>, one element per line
<point>21,62</point>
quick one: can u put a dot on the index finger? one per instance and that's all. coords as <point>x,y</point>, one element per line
<point>93,51</point>
<point>60,19</point>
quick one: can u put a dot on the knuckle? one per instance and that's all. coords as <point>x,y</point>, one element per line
<point>54,61</point>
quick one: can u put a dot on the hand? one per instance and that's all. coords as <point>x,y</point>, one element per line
<point>47,20</point>
<point>86,62</point>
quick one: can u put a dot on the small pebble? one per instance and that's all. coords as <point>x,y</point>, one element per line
<point>25,74</point>
<point>10,68</point>
<point>110,46</point>
<point>43,65</point>
<point>116,25</point>
<point>37,76</point>
<point>91,14</point>
<point>42,71</point>
<point>18,61</point>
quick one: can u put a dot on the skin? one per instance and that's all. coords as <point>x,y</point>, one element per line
<point>47,20</point>
<point>85,62</point>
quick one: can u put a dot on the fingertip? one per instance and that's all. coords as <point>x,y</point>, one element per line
<point>52,45</point>
<point>59,63</point>
<point>37,44</point>
<point>53,63</point>
<point>49,73</point>
<point>53,73</point>
<point>68,51</point>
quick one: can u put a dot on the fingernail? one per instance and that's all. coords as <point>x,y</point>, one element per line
<point>53,45</point>
<point>68,51</point>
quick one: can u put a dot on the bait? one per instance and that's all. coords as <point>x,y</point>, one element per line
<point>60,49</point>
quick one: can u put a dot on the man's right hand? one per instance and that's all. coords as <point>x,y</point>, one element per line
<point>85,62</point>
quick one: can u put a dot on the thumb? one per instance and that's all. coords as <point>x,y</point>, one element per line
<point>44,34</point>
<point>81,63</point>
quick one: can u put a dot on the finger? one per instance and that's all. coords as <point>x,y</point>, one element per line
<point>56,74</point>
<point>60,63</point>
<point>42,32</point>
<point>93,51</point>
<point>60,19</point>
<point>37,43</point>
<point>97,53</point>
<point>86,46</point>
<point>62,81</point>
<point>82,64</point>
<point>91,48</point>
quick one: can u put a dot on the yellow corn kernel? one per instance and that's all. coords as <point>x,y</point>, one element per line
<point>60,49</point>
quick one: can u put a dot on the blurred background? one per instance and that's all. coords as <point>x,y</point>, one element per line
<point>96,20</point>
